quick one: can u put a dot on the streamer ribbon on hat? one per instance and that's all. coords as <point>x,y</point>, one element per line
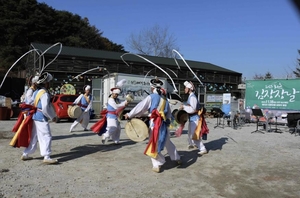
<point>175,89</point>
<point>76,77</point>
<point>42,55</point>
<point>33,50</point>
<point>153,69</point>
<point>174,51</point>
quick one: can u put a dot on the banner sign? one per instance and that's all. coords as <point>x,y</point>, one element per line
<point>226,98</point>
<point>214,97</point>
<point>226,106</point>
<point>273,94</point>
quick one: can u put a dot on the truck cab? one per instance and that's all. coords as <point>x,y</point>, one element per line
<point>136,85</point>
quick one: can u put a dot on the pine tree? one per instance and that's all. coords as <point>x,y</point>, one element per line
<point>268,75</point>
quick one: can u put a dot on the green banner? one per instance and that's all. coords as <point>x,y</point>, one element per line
<point>273,94</point>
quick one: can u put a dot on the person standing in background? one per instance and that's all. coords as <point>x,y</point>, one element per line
<point>85,102</point>
<point>191,107</point>
<point>113,128</point>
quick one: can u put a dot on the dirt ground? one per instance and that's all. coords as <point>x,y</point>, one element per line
<point>239,164</point>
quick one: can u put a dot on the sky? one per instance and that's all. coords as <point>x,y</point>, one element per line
<point>247,36</point>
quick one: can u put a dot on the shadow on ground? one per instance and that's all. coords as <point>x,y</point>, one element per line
<point>73,135</point>
<point>216,144</point>
<point>88,149</point>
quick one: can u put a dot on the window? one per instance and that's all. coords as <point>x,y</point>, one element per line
<point>69,98</point>
<point>174,97</point>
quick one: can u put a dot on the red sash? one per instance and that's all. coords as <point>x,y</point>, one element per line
<point>154,145</point>
<point>96,128</point>
<point>23,127</point>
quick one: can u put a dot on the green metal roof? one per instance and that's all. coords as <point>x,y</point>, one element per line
<point>110,55</point>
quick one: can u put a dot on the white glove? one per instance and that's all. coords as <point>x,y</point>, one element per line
<point>86,111</point>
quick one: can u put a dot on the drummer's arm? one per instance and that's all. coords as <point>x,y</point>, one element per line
<point>192,107</point>
<point>47,109</point>
<point>139,109</point>
<point>28,98</point>
<point>122,104</point>
<point>78,99</point>
<point>113,103</point>
<point>31,100</point>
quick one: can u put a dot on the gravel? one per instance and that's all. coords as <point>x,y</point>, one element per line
<point>239,164</point>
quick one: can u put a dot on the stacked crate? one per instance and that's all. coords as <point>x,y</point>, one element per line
<point>5,109</point>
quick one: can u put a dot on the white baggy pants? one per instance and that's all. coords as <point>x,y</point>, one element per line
<point>40,134</point>
<point>84,119</point>
<point>113,129</point>
<point>171,149</point>
<point>191,129</point>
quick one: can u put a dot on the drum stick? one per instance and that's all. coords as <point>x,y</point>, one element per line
<point>134,129</point>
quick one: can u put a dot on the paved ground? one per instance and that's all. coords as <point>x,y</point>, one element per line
<point>239,164</point>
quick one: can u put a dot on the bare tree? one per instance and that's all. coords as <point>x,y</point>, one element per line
<point>268,75</point>
<point>258,77</point>
<point>155,41</point>
<point>297,71</point>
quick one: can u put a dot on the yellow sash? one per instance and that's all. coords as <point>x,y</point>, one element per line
<point>197,132</point>
<point>37,97</point>
<point>162,114</point>
<point>15,138</point>
<point>162,108</point>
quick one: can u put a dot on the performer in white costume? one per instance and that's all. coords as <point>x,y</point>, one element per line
<point>160,111</point>
<point>113,128</point>
<point>31,89</point>
<point>85,101</point>
<point>191,107</point>
<point>41,132</point>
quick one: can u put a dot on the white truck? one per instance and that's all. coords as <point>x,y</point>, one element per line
<point>138,86</point>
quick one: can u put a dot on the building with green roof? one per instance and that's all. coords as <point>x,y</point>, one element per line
<point>73,61</point>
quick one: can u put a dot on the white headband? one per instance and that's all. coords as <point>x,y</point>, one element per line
<point>188,85</point>
<point>116,91</point>
<point>34,79</point>
<point>44,78</point>
<point>154,83</point>
<point>88,87</point>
